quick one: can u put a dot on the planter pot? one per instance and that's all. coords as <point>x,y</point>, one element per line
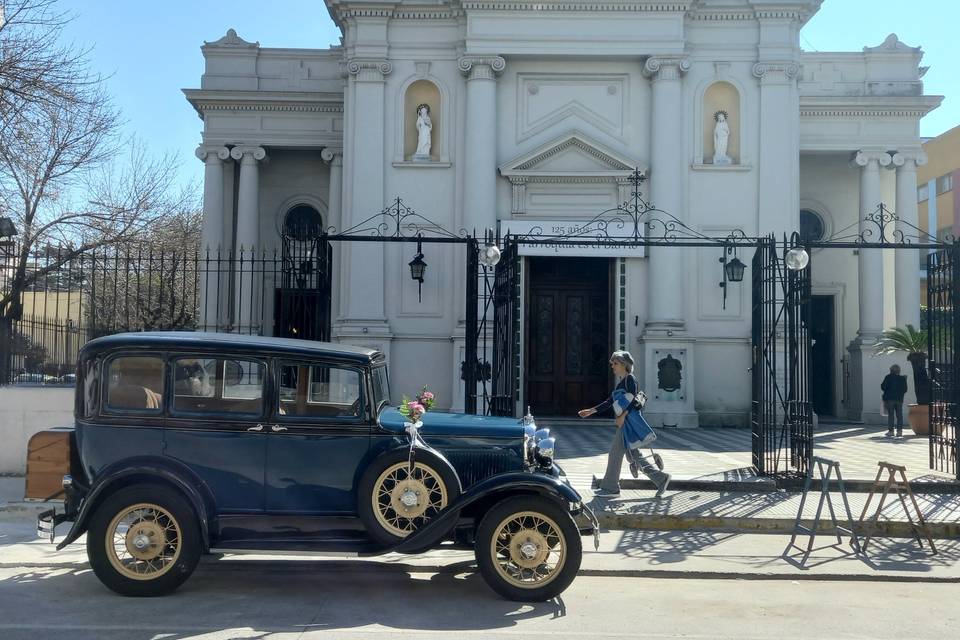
<point>919,419</point>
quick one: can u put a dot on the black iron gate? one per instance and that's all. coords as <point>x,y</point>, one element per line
<point>302,301</point>
<point>782,413</point>
<point>943,338</point>
<point>505,379</point>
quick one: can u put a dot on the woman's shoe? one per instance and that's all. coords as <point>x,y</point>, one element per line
<point>605,493</point>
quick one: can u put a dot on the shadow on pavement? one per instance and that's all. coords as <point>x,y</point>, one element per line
<point>253,599</point>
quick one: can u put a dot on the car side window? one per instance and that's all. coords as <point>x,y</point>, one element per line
<point>217,385</point>
<point>135,383</point>
<point>319,391</point>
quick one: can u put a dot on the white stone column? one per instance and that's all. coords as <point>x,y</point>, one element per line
<point>246,289</point>
<point>665,289</point>
<point>908,260</point>
<point>480,160</point>
<point>212,288</point>
<point>870,261</point>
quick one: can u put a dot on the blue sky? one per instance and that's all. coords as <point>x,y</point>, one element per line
<point>151,50</point>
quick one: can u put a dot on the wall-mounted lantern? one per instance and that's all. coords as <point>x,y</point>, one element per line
<point>733,270</point>
<point>417,269</point>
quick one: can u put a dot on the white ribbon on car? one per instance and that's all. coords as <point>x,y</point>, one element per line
<point>413,430</point>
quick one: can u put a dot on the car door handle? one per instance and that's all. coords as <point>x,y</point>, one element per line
<point>276,427</point>
<point>259,427</point>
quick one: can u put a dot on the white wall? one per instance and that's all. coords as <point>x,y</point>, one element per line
<point>23,412</point>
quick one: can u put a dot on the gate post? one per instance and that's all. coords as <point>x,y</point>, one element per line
<point>468,368</point>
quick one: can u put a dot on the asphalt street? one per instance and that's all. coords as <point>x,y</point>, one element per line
<point>51,595</point>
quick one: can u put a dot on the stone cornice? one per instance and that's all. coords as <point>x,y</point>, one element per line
<point>867,107</point>
<point>525,166</point>
<point>626,5</point>
<point>205,101</point>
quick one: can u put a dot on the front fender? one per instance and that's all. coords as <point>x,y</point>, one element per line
<point>143,471</point>
<point>499,486</point>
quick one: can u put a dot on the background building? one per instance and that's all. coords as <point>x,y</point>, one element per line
<point>538,115</point>
<point>939,209</point>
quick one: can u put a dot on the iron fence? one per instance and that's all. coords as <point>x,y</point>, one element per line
<point>63,298</point>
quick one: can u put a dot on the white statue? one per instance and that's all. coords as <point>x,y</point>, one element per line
<point>424,131</point>
<point>721,136</point>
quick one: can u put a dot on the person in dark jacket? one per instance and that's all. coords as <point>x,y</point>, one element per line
<point>621,362</point>
<point>894,387</point>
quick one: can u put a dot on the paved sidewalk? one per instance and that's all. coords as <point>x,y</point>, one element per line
<point>582,447</point>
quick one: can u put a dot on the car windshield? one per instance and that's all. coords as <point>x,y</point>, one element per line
<point>381,387</point>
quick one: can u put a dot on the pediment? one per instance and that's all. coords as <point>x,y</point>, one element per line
<point>572,155</point>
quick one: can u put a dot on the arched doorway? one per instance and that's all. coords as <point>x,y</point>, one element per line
<point>302,301</point>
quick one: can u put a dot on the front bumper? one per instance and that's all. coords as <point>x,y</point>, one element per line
<point>47,523</point>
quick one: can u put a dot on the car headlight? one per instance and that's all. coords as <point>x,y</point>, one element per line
<point>540,434</point>
<point>545,451</point>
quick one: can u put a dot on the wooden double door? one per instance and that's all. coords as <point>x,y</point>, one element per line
<point>568,334</point>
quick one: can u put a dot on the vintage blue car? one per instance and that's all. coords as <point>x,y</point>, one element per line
<point>193,443</point>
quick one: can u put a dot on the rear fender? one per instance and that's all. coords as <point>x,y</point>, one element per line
<point>493,489</point>
<point>146,471</point>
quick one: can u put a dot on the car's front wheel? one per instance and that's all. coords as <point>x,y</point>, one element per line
<point>528,549</point>
<point>395,501</point>
<point>144,540</point>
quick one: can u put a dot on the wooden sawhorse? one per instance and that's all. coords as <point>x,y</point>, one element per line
<point>899,486</point>
<point>825,479</point>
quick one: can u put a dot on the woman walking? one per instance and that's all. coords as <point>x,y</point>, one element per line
<point>625,396</point>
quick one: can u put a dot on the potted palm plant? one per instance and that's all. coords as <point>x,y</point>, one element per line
<point>913,342</point>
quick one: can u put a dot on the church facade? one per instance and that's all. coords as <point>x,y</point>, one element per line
<point>514,115</point>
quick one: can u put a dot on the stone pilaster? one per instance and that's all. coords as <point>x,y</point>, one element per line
<point>908,260</point>
<point>668,355</point>
<point>870,261</point>
<point>480,159</point>
<point>778,197</point>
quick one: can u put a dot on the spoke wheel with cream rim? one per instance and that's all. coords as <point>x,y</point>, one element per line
<point>528,548</point>
<point>395,501</point>
<point>143,541</point>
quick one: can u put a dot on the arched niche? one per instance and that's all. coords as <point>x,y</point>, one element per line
<point>422,92</point>
<point>721,97</point>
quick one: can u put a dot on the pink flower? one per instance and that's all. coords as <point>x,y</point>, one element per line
<point>415,407</point>
<point>427,395</point>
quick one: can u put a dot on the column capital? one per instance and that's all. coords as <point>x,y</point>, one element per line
<point>369,70</point>
<point>914,157</point>
<point>331,155</point>
<point>666,67</point>
<point>211,152</point>
<point>866,158</point>
<point>776,71</point>
<point>481,67</point>
<point>248,153</point>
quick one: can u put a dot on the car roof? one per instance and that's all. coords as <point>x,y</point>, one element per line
<point>208,341</point>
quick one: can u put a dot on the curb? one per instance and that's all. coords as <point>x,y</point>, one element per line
<point>892,528</point>
<point>769,486</point>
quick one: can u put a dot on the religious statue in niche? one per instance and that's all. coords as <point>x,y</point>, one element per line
<point>424,133</point>
<point>721,137</point>
<point>668,373</point>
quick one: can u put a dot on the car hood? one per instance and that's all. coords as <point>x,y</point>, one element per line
<point>455,424</point>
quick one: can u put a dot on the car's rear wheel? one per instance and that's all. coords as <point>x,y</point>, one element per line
<point>144,541</point>
<point>528,549</point>
<point>395,501</point>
